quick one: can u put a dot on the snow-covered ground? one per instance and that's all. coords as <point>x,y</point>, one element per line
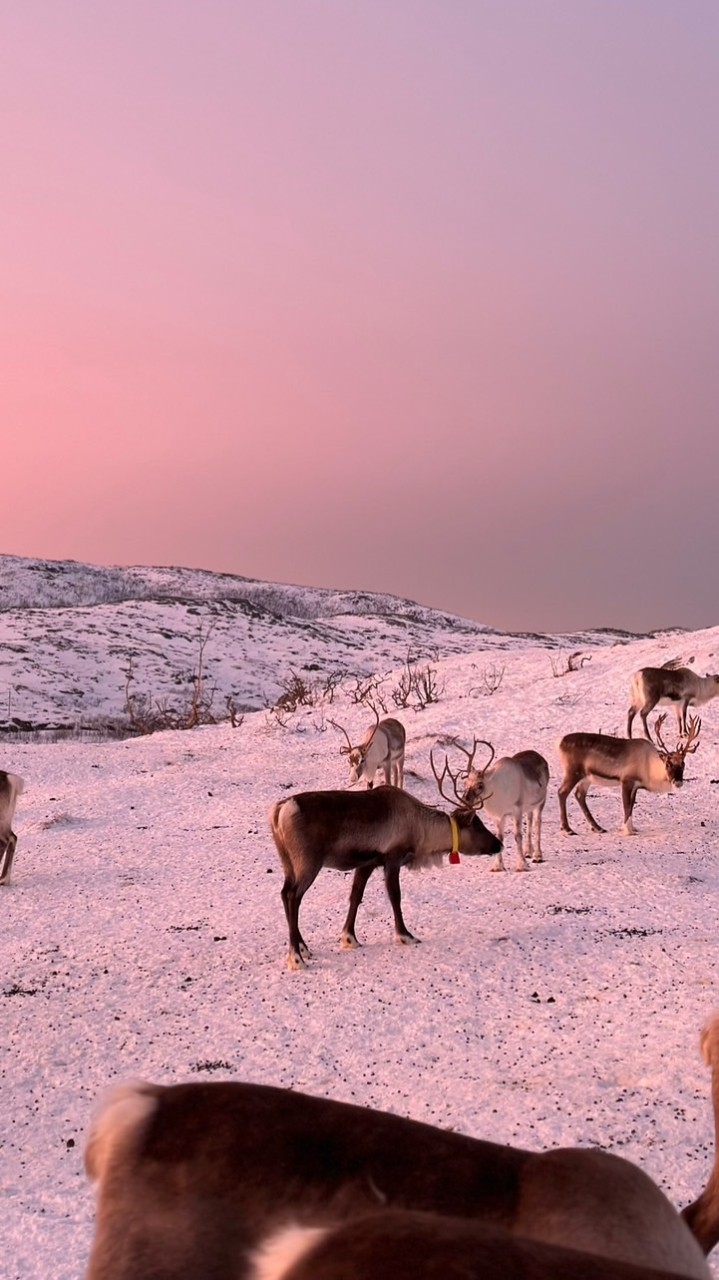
<point>143,935</point>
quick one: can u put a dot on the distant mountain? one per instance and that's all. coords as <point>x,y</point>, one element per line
<point>68,632</point>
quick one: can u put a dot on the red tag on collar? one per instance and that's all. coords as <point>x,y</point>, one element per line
<point>454,856</point>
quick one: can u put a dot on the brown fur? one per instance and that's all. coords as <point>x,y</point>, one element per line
<point>421,1246</point>
<point>678,685</point>
<point>193,1178</point>
<point>360,831</point>
<point>703,1214</point>
<point>11,786</point>
<point>631,764</point>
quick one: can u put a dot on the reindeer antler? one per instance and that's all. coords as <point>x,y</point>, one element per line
<point>686,745</point>
<point>345,751</point>
<point>457,798</point>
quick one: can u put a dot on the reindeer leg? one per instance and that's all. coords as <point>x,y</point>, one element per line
<point>535,820</point>
<point>568,784</point>
<point>293,892</point>
<point>498,863</point>
<point>519,843</point>
<point>391,880</point>
<point>348,938</point>
<point>629,795</point>
<point>6,856</point>
<point>682,708</point>
<point>581,794</point>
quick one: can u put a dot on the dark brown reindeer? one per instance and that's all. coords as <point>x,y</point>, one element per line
<point>408,1245</point>
<point>233,1181</point>
<point>653,686</point>
<point>11,786</point>
<point>630,763</point>
<point>382,747</point>
<point>361,831</point>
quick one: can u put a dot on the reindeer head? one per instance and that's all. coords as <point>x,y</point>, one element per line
<point>687,744</point>
<point>357,755</point>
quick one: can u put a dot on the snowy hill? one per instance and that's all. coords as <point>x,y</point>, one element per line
<point>67,631</point>
<point>143,932</point>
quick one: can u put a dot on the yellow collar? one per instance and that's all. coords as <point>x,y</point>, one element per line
<point>455,833</point>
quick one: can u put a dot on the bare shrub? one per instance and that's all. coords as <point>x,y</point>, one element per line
<point>417,685</point>
<point>367,692</point>
<point>564,664</point>
<point>148,714</point>
<point>490,680</point>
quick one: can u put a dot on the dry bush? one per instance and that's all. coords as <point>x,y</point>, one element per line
<point>564,664</point>
<point>417,686</point>
<point>148,714</point>
<point>490,679</point>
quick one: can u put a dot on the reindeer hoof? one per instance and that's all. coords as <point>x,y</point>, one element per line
<point>521,866</point>
<point>295,962</point>
<point>405,939</point>
<point>538,858</point>
<point>348,942</point>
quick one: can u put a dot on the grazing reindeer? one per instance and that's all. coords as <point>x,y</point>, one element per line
<point>381,748</point>
<point>11,786</point>
<point>630,763</point>
<point>198,1181</point>
<point>359,831</point>
<point>703,1214</point>
<point>654,685</point>
<point>513,787</point>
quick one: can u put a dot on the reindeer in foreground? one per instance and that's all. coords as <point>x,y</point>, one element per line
<point>514,787</point>
<point>703,1214</point>
<point>655,685</point>
<point>11,786</point>
<point>231,1181</point>
<point>630,763</point>
<point>360,831</point>
<point>381,748</point>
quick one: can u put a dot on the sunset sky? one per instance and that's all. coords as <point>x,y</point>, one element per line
<point>412,295</point>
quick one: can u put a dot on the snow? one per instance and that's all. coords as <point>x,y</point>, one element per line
<point>143,933</point>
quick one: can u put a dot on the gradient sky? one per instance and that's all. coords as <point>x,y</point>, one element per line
<point>413,295</point>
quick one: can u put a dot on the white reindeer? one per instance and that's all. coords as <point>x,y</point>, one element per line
<point>250,1182</point>
<point>653,686</point>
<point>513,787</point>
<point>11,786</point>
<point>630,763</point>
<point>381,748</point>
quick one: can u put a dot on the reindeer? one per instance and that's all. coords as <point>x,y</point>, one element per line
<point>630,763</point>
<point>231,1181</point>
<point>702,1215</point>
<point>11,786</point>
<point>515,786</point>
<point>409,1245</point>
<point>655,685</point>
<point>381,748</point>
<point>359,831</point>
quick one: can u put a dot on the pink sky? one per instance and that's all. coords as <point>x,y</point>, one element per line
<point>394,294</point>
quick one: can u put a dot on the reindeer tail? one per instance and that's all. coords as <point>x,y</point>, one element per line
<point>702,1216</point>
<point>117,1125</point>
